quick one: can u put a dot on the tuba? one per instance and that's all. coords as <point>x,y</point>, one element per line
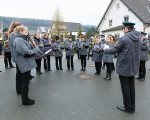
<point>6,44</point>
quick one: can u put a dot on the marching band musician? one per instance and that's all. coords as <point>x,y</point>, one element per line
<point>108,58</point>
<point>70,46</point>
<point>48,50</point>
<point>144,56</point>
<point>39,56</point>
<point>58,53</point>
<point>25,59</point>
<point>97,55</point>
<point>7,52</point>
<point>83,51</point>
<point>91,46</point>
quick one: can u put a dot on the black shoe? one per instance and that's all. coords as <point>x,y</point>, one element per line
<point>84,69</point>
<point>142,79</point>
<point>122,108</point>
<point>32,76</point>
<point>138,78</point>
<point>57,68</point>
<point>105,78</point>
<point>61,69</point>
<point>38,73</point>
<point>6,67</point>
<point>97,73</point>
<point>18,93</point>
<point>12,67</point>
<point>49,70</point>
<point>108,78</point>
<point>72,68</point>
<point>0,71</point>
<point>28,102</point>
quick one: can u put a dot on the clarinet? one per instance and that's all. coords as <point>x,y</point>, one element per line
<point>29,39</point>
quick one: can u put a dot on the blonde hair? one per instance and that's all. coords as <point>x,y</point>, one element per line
<point>111,39</point>
<point>12,26</point>
<point>19,29</point>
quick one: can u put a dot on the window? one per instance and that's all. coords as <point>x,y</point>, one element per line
<point>110,23</point>
<point>126,18</point>
<point>117,5</point>
<point>117,36</point>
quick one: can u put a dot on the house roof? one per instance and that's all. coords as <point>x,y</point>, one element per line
<point>140,8</point>
<point>73,27</point>
<point>114,28</point>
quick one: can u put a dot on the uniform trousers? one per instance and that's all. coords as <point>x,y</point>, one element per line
<point>128,92</point>
<point>142,69</point>
<point>38,62</point>
<point>47,65</point>
<point>18,80</point>
<point>109,69</point>
<point>83,60</point>
<point>78,54</point>
<point>70,61</point>
<point>25,85</point>
<point>7,59</point>
<point>98,66</point>
<point>60,62</point>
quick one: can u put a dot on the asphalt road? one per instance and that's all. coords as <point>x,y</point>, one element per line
<point>60,95</point>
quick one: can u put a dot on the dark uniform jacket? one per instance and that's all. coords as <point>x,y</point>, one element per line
<point>58,53</point>
<point>39,44</point>
<point>97,53</point>
<point>83,49</point>
<point>129,50</point>
<point>69,50</point>
<point>108,58</point>
<point>47,46</point>
<point>144,50</point>
<point>7,48</point>
<point>103,41</point>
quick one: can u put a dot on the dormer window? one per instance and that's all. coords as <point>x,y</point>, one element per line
<point>126,18</point>
<point>117,5</point>
<point>110,23</point>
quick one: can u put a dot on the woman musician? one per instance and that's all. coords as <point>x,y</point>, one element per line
<point>47,50</point>
<point>70,46</point>
<point>58,53</point>
<point>83,51</point>
<point>39,56</point>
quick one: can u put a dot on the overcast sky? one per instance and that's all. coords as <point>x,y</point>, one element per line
<point>82,11</point>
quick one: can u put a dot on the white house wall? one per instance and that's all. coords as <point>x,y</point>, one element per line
<point>117,15</point>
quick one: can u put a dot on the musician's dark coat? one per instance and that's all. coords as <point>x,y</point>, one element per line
<point>69,50</point>
<point>83,50</point>
<point>11,40</point>
<point>108,58</point>
<point>5,39</point>
<point>22,48</point>
<point>39,44</point>
<point>97,53</point>
<point>144,50</point>
<point>129,50</point>
<point>47,46</point>
<point>58,53</point>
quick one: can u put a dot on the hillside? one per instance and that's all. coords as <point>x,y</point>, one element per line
<point>33,23</point>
